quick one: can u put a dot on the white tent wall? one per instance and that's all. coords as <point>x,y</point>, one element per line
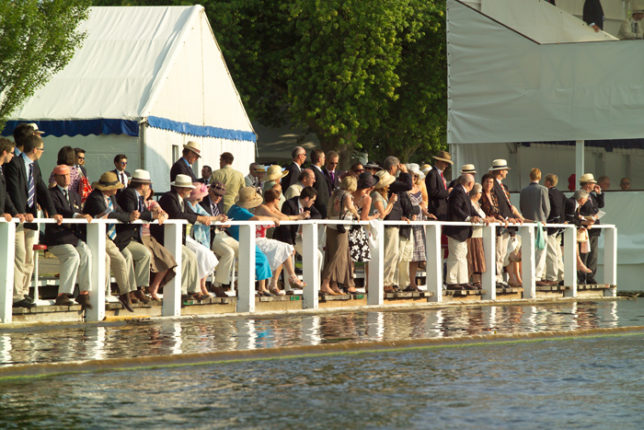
<point>614,11</point>
<point>101,150</point>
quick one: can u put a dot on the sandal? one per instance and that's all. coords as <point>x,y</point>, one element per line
<point>277,292</point>
<point>296,282</point>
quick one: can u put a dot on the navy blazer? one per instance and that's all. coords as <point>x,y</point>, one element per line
<point>129,202</point>
<point>322,187</point>
<point>65,234</point>
<point>17,188</point>
<point>6,204</point>
<point>180,167</point>
<point>95,205</point>
<point>557,209</point>
<point>169,202</point>
<point>591,207</point>
<point>293,173</point>
<point>288,233</point>
<point>573,216</point>
<point>332,183</point>
<point>205,203</point>
<point>459,207</point>
<point>437,194</point>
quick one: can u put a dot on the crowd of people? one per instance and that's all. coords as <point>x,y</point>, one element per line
<point>395,191</point>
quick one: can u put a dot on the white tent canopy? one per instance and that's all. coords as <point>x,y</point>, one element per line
<point>145,81</point>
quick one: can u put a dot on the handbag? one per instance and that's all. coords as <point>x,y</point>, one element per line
<point>345,216</point>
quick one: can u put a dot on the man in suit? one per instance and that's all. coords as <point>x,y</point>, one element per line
<point>101,203</point>
<point>500,171</point>
<point>27,190</point>
<point>232,179</point>
<point>292,234</point>
<point>255,176</point>
<point>225,247</point>
<point>298,155</point>
<point>535,206</point>
<point>173,202</point>
<point>459,208</point>
<point>554,258</point>
<point>206,173</point>
<point>321,185</point>
<point>330,170</point>
<point>128,236</point>
<point>183,166</point>
<point>120,163</point>
<point>593,14</point>
<point>306,179</point>
<point>590,210</point>
<point>7,208</point>
<point>436,184</point>
<point>80,160</point>
<point>66,243</point>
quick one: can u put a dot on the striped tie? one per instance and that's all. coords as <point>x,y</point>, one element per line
<point>111,228</point>
<point>31,189</point>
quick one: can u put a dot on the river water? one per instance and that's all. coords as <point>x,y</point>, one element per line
<point>560,382</point>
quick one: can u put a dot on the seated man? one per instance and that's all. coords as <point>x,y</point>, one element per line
<point>223,245</point>
<point>306,179</point>
<point>173,202</point>
<point>64,241</point>
<point>459,208</point>
<point>101,203</point>
<point>293,233</point>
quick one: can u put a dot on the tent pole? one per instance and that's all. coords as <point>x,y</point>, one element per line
<point>579,160</point>
<point>142,125</point>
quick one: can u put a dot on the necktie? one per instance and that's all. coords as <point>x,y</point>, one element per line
<point>141,203</point>
<point>31,189</point>
<point>66,195</point>
<point>214,209</point>
<point>444,181</point>
<point>332,176</point>
<point>111,228</point>
<point>123,178</point>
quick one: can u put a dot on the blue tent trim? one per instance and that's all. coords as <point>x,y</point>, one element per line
<point>200,130</point>
<point>83,127</point>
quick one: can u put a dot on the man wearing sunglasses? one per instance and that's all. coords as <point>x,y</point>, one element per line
<point>120,162</point>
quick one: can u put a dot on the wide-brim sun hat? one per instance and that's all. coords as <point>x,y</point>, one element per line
<point>414,169</point>
<point>142,176</point>
<point>182,181</point>
<point>372,166</point>
<point>200,191</point>
<point>426,168</point>
<point>248,198</point>
<point>107,182</point>
<point>499,164</point>
<point>275,172</point>
<point>443,156</point>
<point>468,168</point>
<point>194,147</point>
<point>367,180</point>
<point>384,179</point>
<point>586,178</point>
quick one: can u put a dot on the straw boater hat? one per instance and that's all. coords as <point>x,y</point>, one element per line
<point>587,177</point>
<point>499,164</point>
<point>415,170</point>
<point>107,182</point>
<point>61,169</point>
<point>468,168</point>
<point>200,190</point>
<point>275,172</point>
<point>141,176</point>
<point>425,169</point>
<point>367,180</point>
<point>182,181</point>
<point>249,198</point>
<point>384,179</point>
<point>35,127</point>
<point>194,147</point>
<point>372,165</point>
<point>443,156</point>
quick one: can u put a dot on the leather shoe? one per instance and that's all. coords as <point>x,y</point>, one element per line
<point>219,291</point>
<point>141,297</point>
<point>83,300</point>
<point>63,300</point>
<point>412,289</point>
<point>125,301</point>
<point>591,281</point>
<point>454,287</point>
<point>24,303</point>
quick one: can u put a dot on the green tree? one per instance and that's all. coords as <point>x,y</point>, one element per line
<point>37,39</point>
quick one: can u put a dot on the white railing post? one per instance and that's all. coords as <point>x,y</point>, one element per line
<point>96,237</point>
<point>246,283</point>
<point>7,258</point>
<point>488,278</point>
<point>528,261</point>
<point>434,267</point>
<point>173,241</point>
<point>310,266</point>
<point>376,292</point>
<point>570,261</point>
<point>610,260</point>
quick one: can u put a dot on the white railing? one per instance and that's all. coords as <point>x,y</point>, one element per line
<point>96,236</point>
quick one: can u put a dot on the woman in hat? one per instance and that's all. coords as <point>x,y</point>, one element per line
<point>278,253</point>
<point>274,176</point>
<point>199,239</point>
<point>381,204</point>
<point>247,199</point>
<point>337,269</point>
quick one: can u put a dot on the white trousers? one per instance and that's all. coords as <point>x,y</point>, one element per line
<point>24,261</point>
<point>501,250</point>
<point>457,272</point>
<point>75,266</point>
<point>540,260</point>
<point>226,249</point>
<point>392,255</point>
<point>140,256</point>
<point>554,259</point>
<point>189,276</point>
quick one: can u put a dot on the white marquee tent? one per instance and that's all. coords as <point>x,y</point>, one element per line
<point>516,80</point>
<point>145,81</point>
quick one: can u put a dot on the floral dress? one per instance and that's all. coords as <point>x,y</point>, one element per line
<point>418,231</point>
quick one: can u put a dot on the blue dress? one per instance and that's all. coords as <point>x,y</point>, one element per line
<point>200,232</point>
<point>262,268</point>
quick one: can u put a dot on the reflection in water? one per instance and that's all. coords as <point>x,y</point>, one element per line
<point>65,343</point>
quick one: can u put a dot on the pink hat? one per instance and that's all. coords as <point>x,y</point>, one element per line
<point>61,169</point>
<point>200,190</point>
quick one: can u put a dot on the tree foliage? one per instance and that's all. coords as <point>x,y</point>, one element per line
<point>361,74</point>
<point>37,39</point>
